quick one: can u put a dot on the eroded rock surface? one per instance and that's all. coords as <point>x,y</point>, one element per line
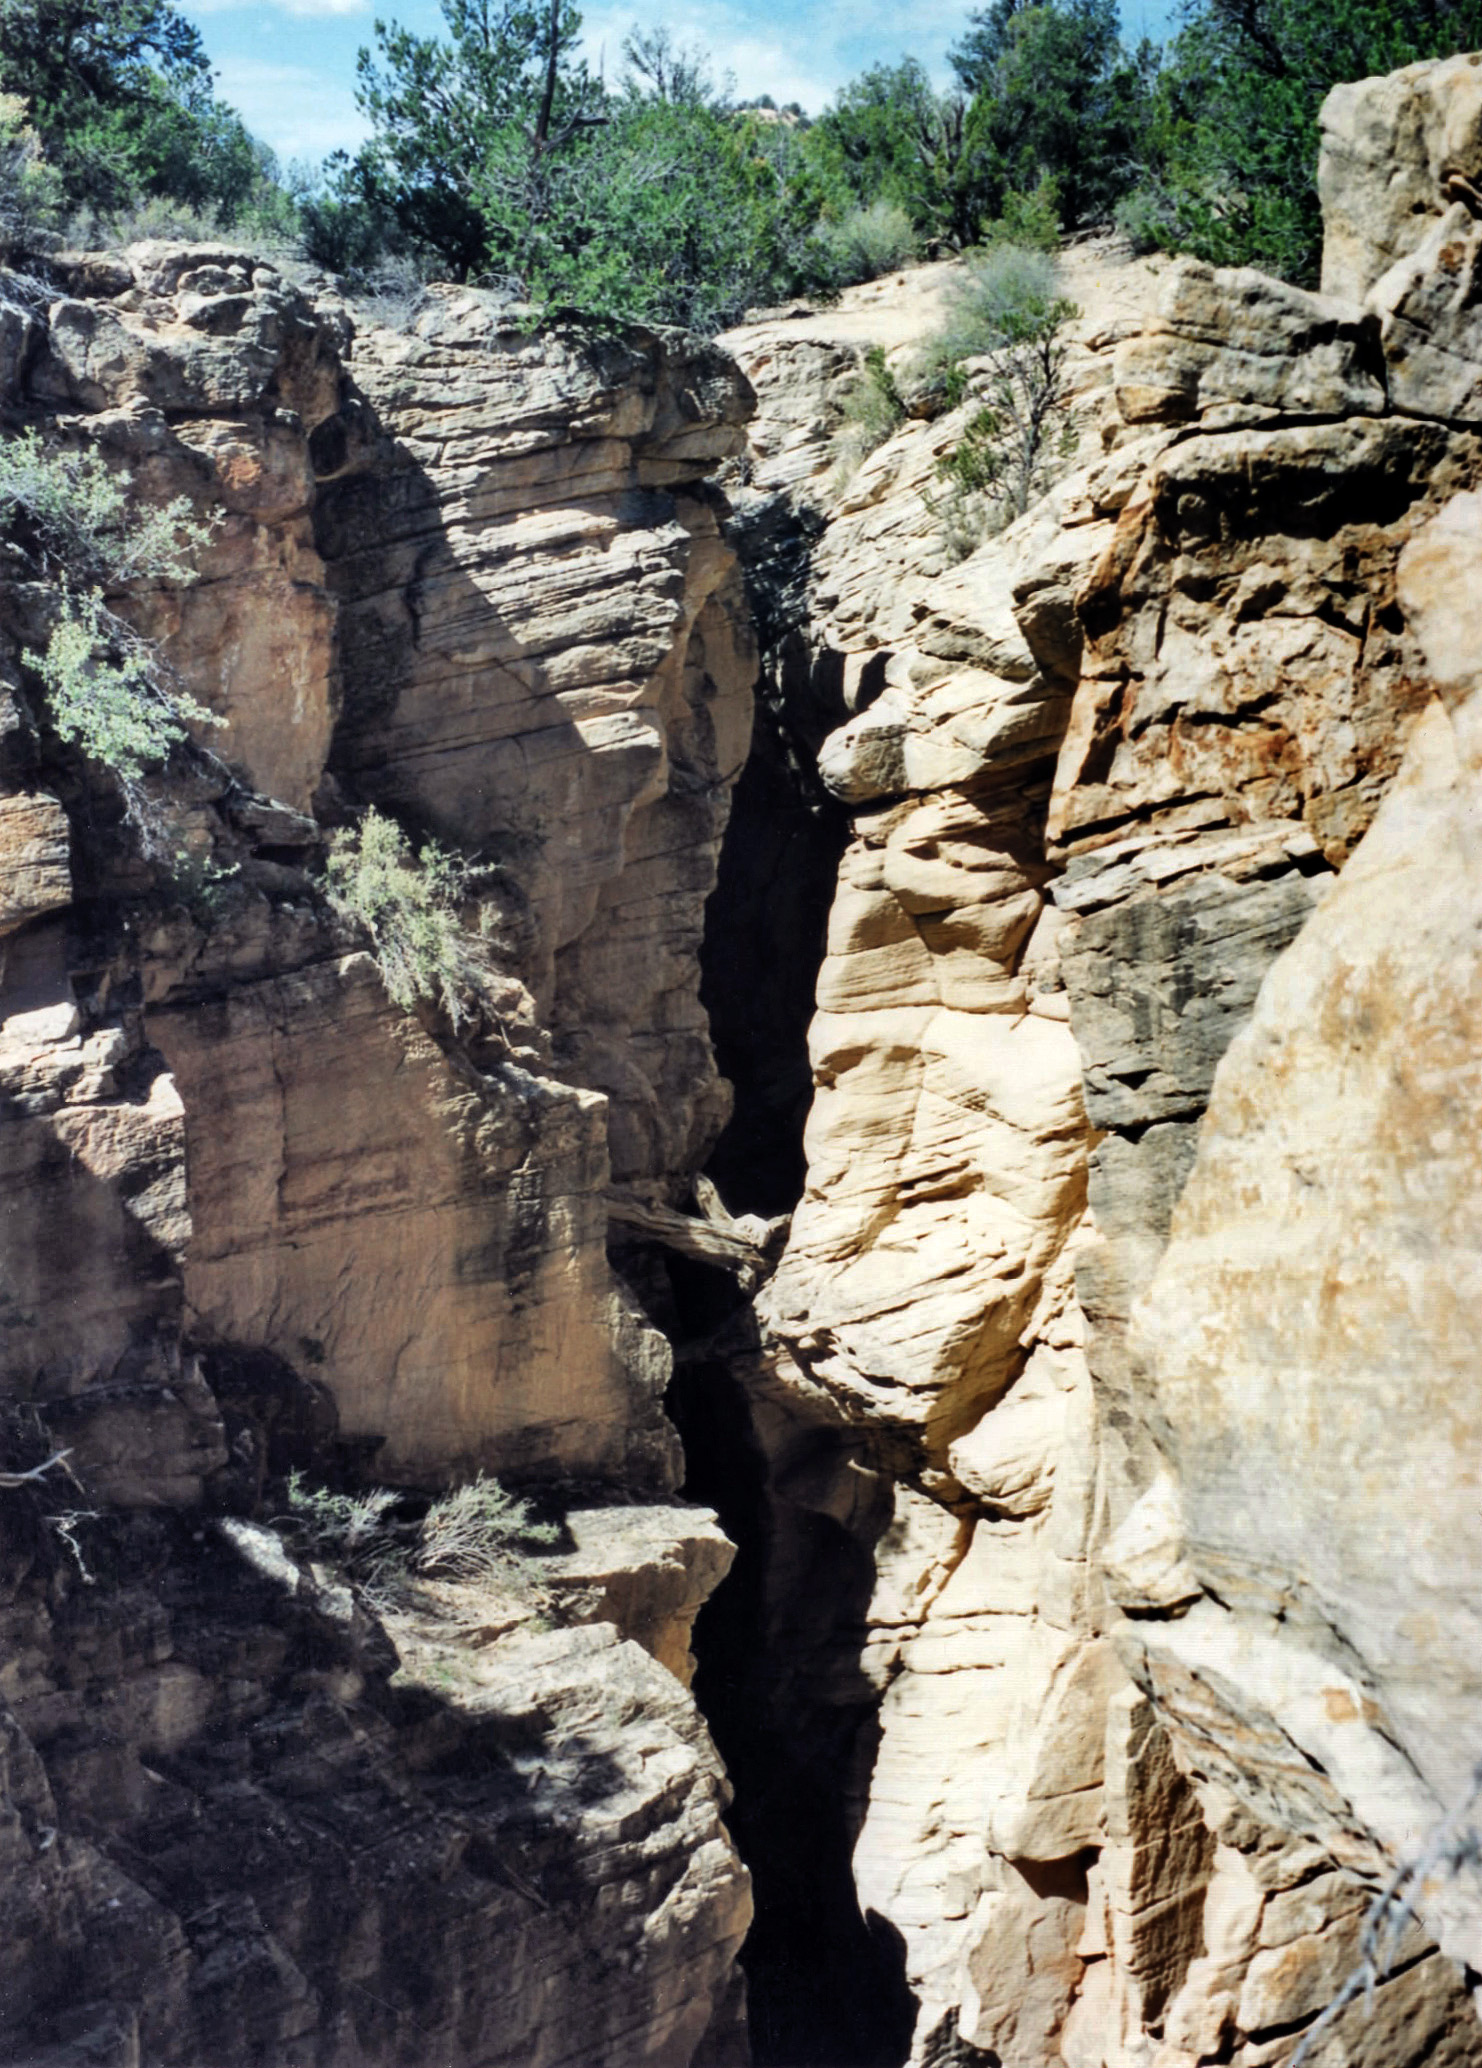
<point>1319,1284</point>
<point>1101,774</point>
<point>258,1221</point>
<point>1089,1659</point>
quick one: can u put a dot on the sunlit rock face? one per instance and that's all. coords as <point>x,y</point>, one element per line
<point>257,1219</point>
<point>1307,1337</point>
<point>1149,1692</point>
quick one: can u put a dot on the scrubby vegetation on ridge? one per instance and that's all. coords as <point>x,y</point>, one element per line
<point>497,155</point>
<point>120,97</point>
<point>1002,342</point>
<point>479,1533</point>
<point>1008,317</point>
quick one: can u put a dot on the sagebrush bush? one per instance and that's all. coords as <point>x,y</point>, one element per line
<point>996,290</point>
<point>474,1532</point>
<point>410,904</point>
<point>871,409</point>
<point>265,225</point>
<point>80,520</point>
<point>1148,219</point>
<point>866,243</point>
<point>104,693</point>
<point>1006,322</point>
<point>479,1533</point>
<point>338,1525</point>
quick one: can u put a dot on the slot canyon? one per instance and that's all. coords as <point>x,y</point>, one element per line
<point>959,1219</point>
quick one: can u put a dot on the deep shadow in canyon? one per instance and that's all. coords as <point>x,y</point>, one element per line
<point>779,1645</point>
<point>781,1686</point>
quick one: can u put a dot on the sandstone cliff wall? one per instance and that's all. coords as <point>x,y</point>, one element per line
<point>1130,1753</point>
<point>256,1218</point>
<point>1099,1444</point>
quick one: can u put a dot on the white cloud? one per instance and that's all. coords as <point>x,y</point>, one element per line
<point>813,51</point>
<point>299,111</point>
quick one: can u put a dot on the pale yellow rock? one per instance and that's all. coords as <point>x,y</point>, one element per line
<point>949,1137</point>
<point>1089,2031</point>
<point>1390,146</point>
<point>1008,1461</point>
<point>647,1569</point>
<point>1235,336</point>
<point>317,1223</point>
<point>1021,1972</point>
<point>1329,1220</point>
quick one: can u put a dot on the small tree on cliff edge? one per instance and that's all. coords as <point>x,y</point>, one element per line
<point>459,120</point>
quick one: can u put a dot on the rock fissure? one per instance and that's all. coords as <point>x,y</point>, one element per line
<point>1201,823</point>
<point>1008,1111</point>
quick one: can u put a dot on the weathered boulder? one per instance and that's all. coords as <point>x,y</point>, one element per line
<point>1238,339</point>
<point>1432,334</point>
<point>35,858</point>
<point>1395,152</point>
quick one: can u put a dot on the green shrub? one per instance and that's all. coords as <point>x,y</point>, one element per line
<point>265,224</point>
<point>347,1526</point>
<point>83,524</point>
<point>866,243</point>
<point>1008,317</point>
<point>872,408</point>
<point>410,905</point>
<point>1232,133</point>
<point>107,688</point>
<point>32,197</point>
<point>1148,219</point>
<point>104,690</point>
<point>151,215</point>
<point>998,290</point>
<point>1029,222</point>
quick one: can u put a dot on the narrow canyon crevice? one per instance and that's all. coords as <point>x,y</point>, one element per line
<point>940,1258</point>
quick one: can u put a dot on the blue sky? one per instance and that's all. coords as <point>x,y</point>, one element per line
<point>289,66</point>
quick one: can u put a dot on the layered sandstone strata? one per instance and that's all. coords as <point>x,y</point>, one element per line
<point>1100,775</point>
<point>257,1218</point>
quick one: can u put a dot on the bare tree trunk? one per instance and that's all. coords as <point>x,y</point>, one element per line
<point>548,98</point>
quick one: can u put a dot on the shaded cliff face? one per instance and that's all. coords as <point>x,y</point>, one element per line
<point>1079,1705</point>
<point>257,1219</point>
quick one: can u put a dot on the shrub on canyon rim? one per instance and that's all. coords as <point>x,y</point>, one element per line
<point>1004,342</point>
<point>866,242</point>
